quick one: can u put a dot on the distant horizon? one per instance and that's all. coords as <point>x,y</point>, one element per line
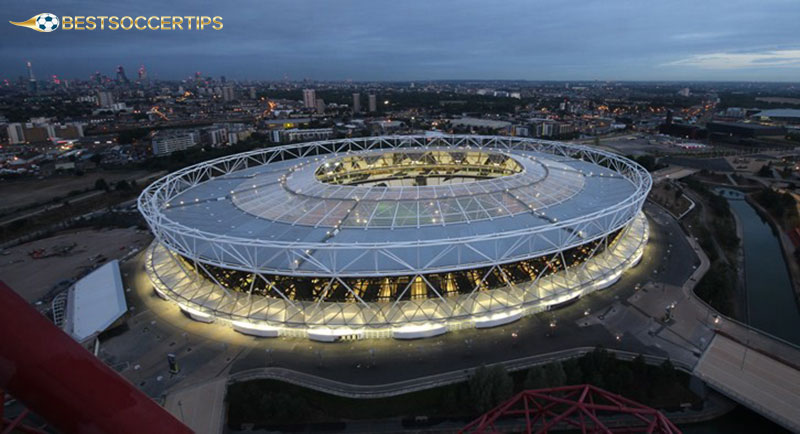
<point>416,40</point>
<point>132,71</point>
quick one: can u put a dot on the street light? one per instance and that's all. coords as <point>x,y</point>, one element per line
<point>668,311</point>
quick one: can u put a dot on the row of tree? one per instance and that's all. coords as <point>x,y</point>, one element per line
<point>655,385</point>
<point>266,402</point>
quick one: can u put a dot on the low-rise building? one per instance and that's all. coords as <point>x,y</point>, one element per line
<point>298,135</point>
<point>42,130</point>
<point>167,142</point>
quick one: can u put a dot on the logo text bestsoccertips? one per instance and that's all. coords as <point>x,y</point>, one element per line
<point>140,23</point>
<point>47,22</point>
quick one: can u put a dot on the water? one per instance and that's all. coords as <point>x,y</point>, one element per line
<point>771,301</point>
<point>771,306</point>
<point>739,420</point>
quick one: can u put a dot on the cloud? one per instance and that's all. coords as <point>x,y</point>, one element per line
<point>698,36</point>
<point>773,58</point>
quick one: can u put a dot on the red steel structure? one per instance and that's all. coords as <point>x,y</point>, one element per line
<point>582,407</point>
<point>66,385</point>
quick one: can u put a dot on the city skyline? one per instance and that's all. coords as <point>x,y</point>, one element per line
<point>362,41</point>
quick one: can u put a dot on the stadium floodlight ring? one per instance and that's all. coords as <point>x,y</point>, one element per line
<point>404,236</point>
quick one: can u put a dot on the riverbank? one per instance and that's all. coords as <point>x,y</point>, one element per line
<point>741,290</point>
<point>787,248</point>
<point>714,226</point>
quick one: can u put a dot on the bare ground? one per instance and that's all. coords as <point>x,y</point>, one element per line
<point>34,278</point>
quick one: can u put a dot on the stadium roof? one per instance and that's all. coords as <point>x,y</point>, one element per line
<point>285,202</point>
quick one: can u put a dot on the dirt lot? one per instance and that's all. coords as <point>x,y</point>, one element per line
<point>33,278</point>
<point>21,193</point>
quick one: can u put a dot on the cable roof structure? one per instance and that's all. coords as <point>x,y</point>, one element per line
<point>375,223</point>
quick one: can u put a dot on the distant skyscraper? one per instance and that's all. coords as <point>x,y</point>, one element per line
<point>142,73</point>
<point>373,103</point>
<point>32,87</point>
<point>121,77</point>
<point>319,106</point>
<point>309,98</point>
<point>253,94</point>
<point>356,103</point>
<point>228,94</point>
<point>104,98</point>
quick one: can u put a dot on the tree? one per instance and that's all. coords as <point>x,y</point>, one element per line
<point>765,171</point>
<point>450,401</point>
<point>639,367</point>
<point>535,378</point>
<point>555,375</point>
<point>666,372</point>
<point>123,185</point>
<point>488,387</point>
<point>573,370</point>
<point>101,184</point>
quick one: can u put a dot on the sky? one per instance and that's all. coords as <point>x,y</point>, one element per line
<point>384,40</point>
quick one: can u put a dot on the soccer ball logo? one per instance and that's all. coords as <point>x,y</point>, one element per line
<point>46,22</point>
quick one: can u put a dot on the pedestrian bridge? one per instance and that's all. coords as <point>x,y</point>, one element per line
<point>756,370</point>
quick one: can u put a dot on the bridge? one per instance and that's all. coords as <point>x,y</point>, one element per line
<point>753,368</point>
<point>759,371</point>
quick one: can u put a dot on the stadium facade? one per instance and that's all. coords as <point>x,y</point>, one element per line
<point>393,236</point>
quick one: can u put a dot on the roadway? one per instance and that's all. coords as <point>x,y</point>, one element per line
<point>753,378</point>
<point>628,317</point>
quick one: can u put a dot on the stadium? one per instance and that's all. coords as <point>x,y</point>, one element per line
<point>393,236</point>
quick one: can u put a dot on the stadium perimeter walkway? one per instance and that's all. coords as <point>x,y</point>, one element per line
<point>201,407</point>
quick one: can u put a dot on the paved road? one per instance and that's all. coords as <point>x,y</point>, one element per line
<point>204,351</point>
<point>201,407</point>
<point>761,382</point>
<point>625,317</point>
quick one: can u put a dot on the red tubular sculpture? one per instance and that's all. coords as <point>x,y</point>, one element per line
<point>65,384</point>
<point>584,407</point>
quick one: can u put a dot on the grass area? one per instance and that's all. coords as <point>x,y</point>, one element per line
<point>723,228</point>
<point>273,404</point>
<point>670,197</point>
<point>718,287</point>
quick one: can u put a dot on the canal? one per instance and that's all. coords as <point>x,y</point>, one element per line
<point>771,303</point>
